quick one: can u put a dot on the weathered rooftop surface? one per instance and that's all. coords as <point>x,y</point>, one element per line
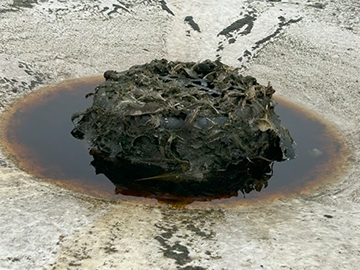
<point>309,50</point>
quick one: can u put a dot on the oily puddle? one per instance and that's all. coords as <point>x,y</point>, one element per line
<point>37,136</point>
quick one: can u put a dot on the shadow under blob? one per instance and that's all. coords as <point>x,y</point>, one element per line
<point>151,182</point>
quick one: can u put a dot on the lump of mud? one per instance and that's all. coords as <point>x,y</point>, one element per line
<point>183,121</point>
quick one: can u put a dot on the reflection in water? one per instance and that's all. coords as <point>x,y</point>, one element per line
<point>151,181</point>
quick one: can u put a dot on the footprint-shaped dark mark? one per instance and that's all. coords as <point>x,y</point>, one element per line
<point>240,27</point>
<point>190,21</point>
<point>236,27</point>
<point>165,7</point>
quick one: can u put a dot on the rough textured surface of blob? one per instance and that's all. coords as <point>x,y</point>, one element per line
<point>190,118</point>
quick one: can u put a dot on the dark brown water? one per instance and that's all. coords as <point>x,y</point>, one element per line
<point>38,137</point>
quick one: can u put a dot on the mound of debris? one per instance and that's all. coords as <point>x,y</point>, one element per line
<point>183,121</point>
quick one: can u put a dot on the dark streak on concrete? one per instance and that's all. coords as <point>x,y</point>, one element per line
<point>192,23</point>
<point>166,8</point>
<point>178,252</point>
<point>192,268</point>
<point>8,10</point>
<point>36,82</point>
<point>178,233</point>
<point>124,4</point>
<point>220,47</point>
<point>234,30</point>
<point>10,86</point>
<point>247,21</point>
<point>24,3</point>
<point>19,4</point>
<point>278,30</point>
<point>199,232</point>
<point>247,53</point>
<point>168,232</point>
<point>104,9</point>
<point>116,8</point>
<point>318,5</point>
<point>243,27</point>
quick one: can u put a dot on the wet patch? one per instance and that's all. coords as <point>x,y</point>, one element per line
<point>37,136</point>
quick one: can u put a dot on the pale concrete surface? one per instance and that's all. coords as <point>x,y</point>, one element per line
<point>313,61</point>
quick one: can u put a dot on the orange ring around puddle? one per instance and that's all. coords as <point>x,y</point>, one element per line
<point>36,135</point>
